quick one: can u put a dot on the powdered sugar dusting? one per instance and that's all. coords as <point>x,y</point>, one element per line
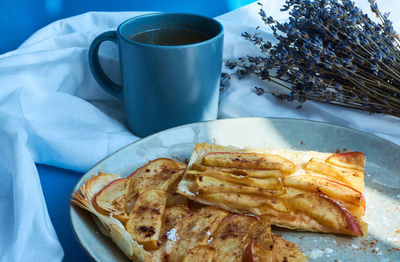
<point>209,240</point>
<point>171,235</point>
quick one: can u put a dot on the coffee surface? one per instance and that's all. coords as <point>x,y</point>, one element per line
<point>170,37</point>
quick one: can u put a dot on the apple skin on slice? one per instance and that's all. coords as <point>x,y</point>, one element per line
<point>199,254</point>
<point>329,213</point>
<point>146,217</point>
<point>351,177</point>
<point>355,210</point>
<point>255,253</point>
<point>249,161</point>
<point>353,160</point>
<point>259,241</point>
<point>111,199</point>
<point>97,183</point>
<point>229,240</point>
<point>326,186</point>
<point>279,250</point>
<point>261,232</point>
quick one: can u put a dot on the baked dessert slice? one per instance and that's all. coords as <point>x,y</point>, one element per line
<point>302,190</point>
<point>148,222</point>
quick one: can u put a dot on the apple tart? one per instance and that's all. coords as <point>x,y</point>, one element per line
<point>301,190</point>
<point>149,221</point>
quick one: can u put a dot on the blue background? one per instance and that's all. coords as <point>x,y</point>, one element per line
<point>19,19</point>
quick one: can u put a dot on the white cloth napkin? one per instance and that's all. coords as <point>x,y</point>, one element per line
<point>53,112</point>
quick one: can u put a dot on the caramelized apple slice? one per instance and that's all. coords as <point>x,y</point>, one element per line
<point>209,185</point>
<point>176,199</point>
<point>162,174</point>
<point>255,253</point>
<point>173,215</point>
<point>327,212</point>
<point>195,230</point>
<point>199,254</point>
<point>356,210</point>
<point>195,206</point>
<point>331,188</point>
<point>145,219</point>
<point>353,160</point>
<point>111,199</point>
<point>249,161</point>
<point>229,239</point>
<point>283,250</point>
<point>259,241</point>
<point>97,183</point>
<point>239,172</point>
<point>351,177</point>
<point>245,201</point>
<point>265,183</point>
<point>261,232</point>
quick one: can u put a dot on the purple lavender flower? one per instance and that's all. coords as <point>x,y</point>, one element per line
<point>329,51</point>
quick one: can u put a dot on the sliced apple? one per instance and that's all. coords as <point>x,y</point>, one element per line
<point>96,183</point>
<point>329,213</point>
<point>278,250</point>
<point>326,186</point>
<point>229,239</point>
<point>177,199</point>
<point>255,253</point>
<point>173,215</point>
<point>245,201</point>
<point>353,160</point>
<point>351,177</point>
<point>111,199</point>
<point>234,200</point>
<point>146,217</point>
<point>199,254</point>
<point>356,210</point>
<point>195,230</point>
<point>239,172</point>
<point>283,250</point>
<point>261,232</point>
<point>195,206</point>
<point>209,185</point>
<point>162,174</point>
<point>249,161</point>
<point>264,183</point>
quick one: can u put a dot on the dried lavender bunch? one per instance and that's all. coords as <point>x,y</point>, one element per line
<point>330,52</point>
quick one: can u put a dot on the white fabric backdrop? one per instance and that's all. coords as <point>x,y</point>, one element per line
<point>53,112</point>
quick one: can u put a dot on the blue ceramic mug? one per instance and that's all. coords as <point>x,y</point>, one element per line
<point>164,84</point>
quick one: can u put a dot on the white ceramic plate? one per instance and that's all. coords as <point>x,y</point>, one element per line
<point>382,180</point>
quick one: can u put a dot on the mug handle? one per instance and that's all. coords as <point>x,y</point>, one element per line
<point>102,79</point>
